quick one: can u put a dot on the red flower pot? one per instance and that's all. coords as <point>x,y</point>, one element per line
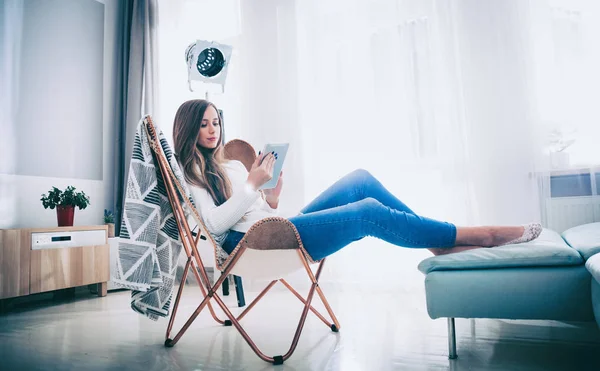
<point>64,215</point>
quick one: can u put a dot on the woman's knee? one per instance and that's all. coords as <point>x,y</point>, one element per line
<point>368,206</point>
<point>361,173</point>
<point>362,178</point>
<point>368,210</point>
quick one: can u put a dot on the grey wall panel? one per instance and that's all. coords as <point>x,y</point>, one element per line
<point>59,107</point>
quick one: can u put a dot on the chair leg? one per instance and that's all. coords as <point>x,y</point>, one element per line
<point>335,326</point>
<point>211,292</point>
<point>239,291</point>
<point>226,287</point>
<point>451,339</point>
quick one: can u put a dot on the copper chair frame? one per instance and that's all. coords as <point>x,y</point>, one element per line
<point>194,261</point>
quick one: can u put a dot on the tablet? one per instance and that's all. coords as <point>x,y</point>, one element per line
<point>281,150</point>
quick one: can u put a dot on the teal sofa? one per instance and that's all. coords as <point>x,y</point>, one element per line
<point>593,266</point>
<point>554,277</point>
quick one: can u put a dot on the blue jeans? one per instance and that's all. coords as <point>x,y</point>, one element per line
<point>356,206</point>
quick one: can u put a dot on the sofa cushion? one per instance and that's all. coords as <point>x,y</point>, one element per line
<point>549,249</point>
<point>584,238</point>
<point>596,300</point>
<point>593,266</point>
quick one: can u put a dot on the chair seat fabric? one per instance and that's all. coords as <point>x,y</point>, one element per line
<point>267,264</point>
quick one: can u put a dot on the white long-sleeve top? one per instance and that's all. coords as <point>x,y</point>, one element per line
<point>244,208</point>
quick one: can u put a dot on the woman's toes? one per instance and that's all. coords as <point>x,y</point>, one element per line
<point>528,232</point>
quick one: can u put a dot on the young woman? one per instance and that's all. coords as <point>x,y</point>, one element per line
<point>356,206</point>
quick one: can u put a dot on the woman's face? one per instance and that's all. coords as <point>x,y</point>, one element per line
<point>210,130</point>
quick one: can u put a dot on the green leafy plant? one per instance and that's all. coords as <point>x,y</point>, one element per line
<point>109,217</point>
<point>68,197</point>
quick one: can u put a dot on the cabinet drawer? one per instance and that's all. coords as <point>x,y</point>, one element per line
<point>64,239</point>
<point>59,268</point>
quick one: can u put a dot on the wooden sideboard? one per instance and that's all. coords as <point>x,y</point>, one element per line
<point>27,269</point>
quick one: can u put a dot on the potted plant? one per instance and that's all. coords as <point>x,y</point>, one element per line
<point>109,220</point>
<point>560,139</point>
<point>65,202</point>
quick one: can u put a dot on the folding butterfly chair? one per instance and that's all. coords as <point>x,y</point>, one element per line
<point>271,249</point>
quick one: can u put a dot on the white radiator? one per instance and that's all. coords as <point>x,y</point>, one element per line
<point>563,213</point>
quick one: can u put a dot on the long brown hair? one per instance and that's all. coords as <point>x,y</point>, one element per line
<point>202,167</point>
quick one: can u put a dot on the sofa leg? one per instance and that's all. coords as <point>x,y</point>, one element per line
<point>451,339</point>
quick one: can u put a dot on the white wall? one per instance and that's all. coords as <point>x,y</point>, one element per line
<point>20,205</point>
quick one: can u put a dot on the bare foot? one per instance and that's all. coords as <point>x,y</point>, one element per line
<point>496,236</point>
<point>503,235</point>
<point>486,236</point>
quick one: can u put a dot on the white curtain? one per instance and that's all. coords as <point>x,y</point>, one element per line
<point>374,96</point>
<point>565,58</point>
<point>431,97</point>
<point>441,100</point>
